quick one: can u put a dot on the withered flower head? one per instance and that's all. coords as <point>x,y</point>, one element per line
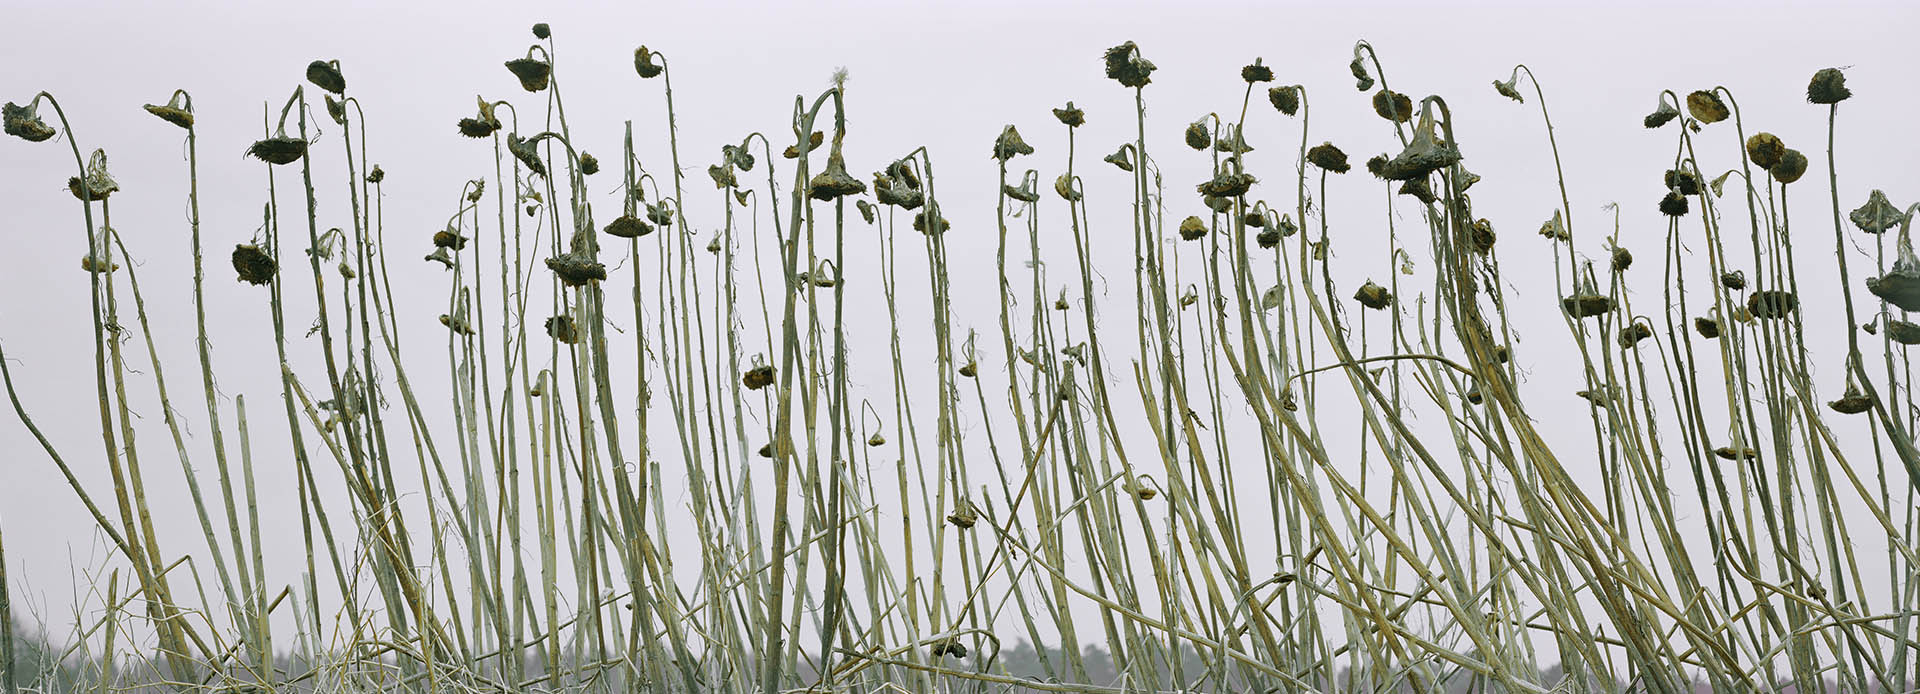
<point>1063,186</point>
<point>562,328</point>
<point>1556,229</point>
<point>1509,88</point>
<point>336,109</point>
<point>1197,136</point>
<point>253,264</point>
<point>533,73</point>
<point>1735,280</point>
<point>542,31</point>
<point>449,239</point>
<point>1070,116</point>
<point>1707,107</point>
<point>722,176</point>
<point>643,63</point>
<point>628,227</point>
<point>24,122</point>
<point>757,377</point>
<point>813,143</point>
<point>1482,235</point>
<point>835,182</point>
<point>525,151</point>
<point>1661,115</point>
<point>1023,193</point>
<point>1674,204</point>
<point>1285,99</point>
<point>1419,189</point>
<point>588,164</point>
<point>1373,296</point>
<point>1829,86</point>
<point>1683,180</point>
<point>1329,157</point>
<point>940,226</point>
<point>1424,154</point>
<point>1771,303</point>
<point>1791,167</point>
<point>1256,72</point>
<point>1707,327</point>
<point>866,209</point>
<point>1232,144</point>
<point>576,268</point>
<point>1586,304</point>
<point>1125,66</point>
<point>1903,332</point>
<point>376,175</point>
<point>1621,259</point>
<point>278,149</point>
<point>1900,285</point>
<point>1361,80</point>
<point>1377,165</point>
<point>1227,184</point>
<point>890,192</point>
<point>1268,238</point>
<point>739,156</point>
<point>98,184</point>
<point>1852,402</point>
<point>1877,215</point>
<point>1765,150</point>
<point>325,74</point>
<point>1631,335</point>
<point>660,213</point>
<point>1193,228</point>
<point>177,111</point>
<point>1393,106</point>
<point>1009,145</point>
<point>1119,158</point>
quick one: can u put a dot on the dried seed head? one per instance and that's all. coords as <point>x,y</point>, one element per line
<point>1661,115</point>
<point>1829,86</point>
<point>1735,280</point>
<point>525,151</point>
<point>1731,453</point>
<point>1482,235</point>
<point>1877,215</point>
<point>1256,72</point>
<point>588,164</point>
<point>1285,99</point>
<point>722,176</point>
<point>1193,228</point>
<point>835,182</point>
<point>376,175</point>
<point>1765,150</point>
<point>1586,305</point>
<point>660,213</point>
<point>176,111</point>
<point>643,63</point>
<point>1674,204</point>
<point>1009,144</point>
<point>951,648</point>
<point>479,189</point>
<point>576,268</point>
<point>533,73</point>
<point>458,324</point>
<point>325,74</point>
<point>1070,116</point>
<point>1268,238</point>
<point>1707,327</point>
<point>1393,106</point>
<point>1792,166</point>
<point>1683,180</point>
<point>1419,189</point>
<point>1328,157</point>
<point>562,328</point>
<point>1424,154</point>
<point>920,224</point>
<point>1023,193</point>
<point>97,184</point>
<point>813,143</point>
<point>336,110</point>
<point>757,377</point>
<point>890,192</point>
<point>628,227</point>
<point>1707,107</point>
<point>448,238</point>
<point>969,369</point>
<point>1771,303</point>
<point>741,157</point>
<point>1233,144</point>
<point>1125,66</point>
<point>90,263</point>
<point>1119,158</point>
<point>253,264</point>
<point>1509,88</point>
<point>1903,332</point>
<point>1852,402</point>
<point>24,122</point>
<point>1556,229</point>
<point>963,517</point>
<point>1631,335</point>
<point>1197,136</point>
<point>278,150</point>
<point>1622,259</point>
<point>1226,184</point>
<point>1373,296</point>
<point>542,31</point>
<point>1361,80</point>
<point>1063,186</point>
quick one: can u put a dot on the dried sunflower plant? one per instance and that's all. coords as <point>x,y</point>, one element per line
<point>695,495</point>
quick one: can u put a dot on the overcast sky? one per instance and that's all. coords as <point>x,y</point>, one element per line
<point>947,75</point>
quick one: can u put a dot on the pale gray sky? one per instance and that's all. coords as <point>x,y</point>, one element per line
<point>947,75</point>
